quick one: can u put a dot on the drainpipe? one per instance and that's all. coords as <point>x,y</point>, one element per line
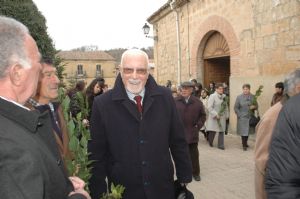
<point>173,7</point>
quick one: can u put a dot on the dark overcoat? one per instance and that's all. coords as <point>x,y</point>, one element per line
<point>30,164</point>
<point>283,167</point>
<point>193,116</point>
<point>134,149</point>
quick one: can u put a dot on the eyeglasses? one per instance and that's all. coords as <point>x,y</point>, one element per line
<point>139,71</point>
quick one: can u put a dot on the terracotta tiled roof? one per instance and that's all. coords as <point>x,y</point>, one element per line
<point>85,55</point>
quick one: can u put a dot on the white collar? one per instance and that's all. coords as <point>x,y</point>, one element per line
<point>16,103</point>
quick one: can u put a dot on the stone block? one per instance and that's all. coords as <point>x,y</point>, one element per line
<point>295,23</point>
<point>293,53</point>
<point>297,38</point>
<point>285,38</point>
<point>284,10</point>
<point>259,43</point>
<point>282,25</point>
<point>267,29</point>
<point>270,42</point>
<point>267,17</point>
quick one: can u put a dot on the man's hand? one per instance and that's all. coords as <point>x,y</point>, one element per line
<point>77,183</point>
<point>217,117</point>
<point>183,184</point>
<point>85,123</point>
<point>82,192</point>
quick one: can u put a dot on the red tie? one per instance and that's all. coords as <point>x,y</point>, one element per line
<point>138,100</point>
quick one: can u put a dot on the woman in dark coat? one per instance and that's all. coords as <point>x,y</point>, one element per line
<point>94,89</point>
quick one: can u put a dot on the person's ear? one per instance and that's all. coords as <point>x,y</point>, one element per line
<point>15,73</point>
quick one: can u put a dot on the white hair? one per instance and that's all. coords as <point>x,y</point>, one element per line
<point>12,46</point>
<point>135,52</point>
<point>291,81</point>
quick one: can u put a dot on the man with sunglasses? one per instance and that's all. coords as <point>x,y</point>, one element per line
<point>135,130</point>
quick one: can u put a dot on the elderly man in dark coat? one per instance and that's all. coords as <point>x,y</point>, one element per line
<point>193,115</point>
<point>135,128</point>
<point>30,164</point>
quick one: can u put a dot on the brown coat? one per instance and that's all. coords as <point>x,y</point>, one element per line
<point>63,144</point>
<point>264,131</point>
<point>193,116</point>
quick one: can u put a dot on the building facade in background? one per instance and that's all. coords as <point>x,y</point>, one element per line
<point>234,41</point>
<point>88,65</point>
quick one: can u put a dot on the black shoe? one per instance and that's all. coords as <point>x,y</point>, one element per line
<point>222,148</point>
<point>197,178</point>
<point>211,145</point>
<point>244,148</point>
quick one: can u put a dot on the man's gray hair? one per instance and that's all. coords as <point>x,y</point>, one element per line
<point>291,81</point>
<point>135,51</point>
<point>12,47</point>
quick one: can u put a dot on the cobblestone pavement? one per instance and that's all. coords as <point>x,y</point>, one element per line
<point>227,174</point>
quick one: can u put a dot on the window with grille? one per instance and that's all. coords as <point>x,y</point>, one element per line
<point>98,68</point>
<point>79,69</point>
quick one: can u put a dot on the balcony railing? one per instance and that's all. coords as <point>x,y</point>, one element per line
<point>80,75</point>
<point>99,74</point>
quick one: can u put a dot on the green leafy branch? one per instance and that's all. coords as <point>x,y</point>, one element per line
<point>79,135</point>
<point>222,110</point>
<point>258,92</point>
<point>116,192</point>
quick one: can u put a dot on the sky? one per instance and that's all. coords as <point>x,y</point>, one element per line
<point>107,24</point>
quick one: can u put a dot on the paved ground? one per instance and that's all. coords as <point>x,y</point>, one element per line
<point>227,174</point>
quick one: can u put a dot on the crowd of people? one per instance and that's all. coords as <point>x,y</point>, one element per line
<point>274,176</point>
<point>141,133</point>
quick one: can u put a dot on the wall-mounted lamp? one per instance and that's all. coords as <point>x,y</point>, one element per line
<point>146,30</point>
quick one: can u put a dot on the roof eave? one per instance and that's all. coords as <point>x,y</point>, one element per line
<point>164,10</point>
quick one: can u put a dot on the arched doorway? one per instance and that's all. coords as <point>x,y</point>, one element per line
<point>216,56</point>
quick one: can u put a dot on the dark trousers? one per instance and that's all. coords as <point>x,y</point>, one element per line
<point>211,137</point>
<point>194,153</point>
<point>204,133</point>
<point>245,141</point>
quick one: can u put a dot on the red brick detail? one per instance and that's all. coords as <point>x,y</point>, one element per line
<point>206,29</point>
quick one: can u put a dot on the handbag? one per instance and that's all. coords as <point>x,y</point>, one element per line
<point>181,192</point>
<point>253,121</point>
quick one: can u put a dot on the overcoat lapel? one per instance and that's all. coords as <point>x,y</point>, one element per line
<point>131,108</point>
<point>146,106</point>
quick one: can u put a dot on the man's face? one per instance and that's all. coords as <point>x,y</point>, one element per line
<point>134,73</point>
<point>31,75</point>
<point>278,90</point>
<point>186,91</point>
<point>49,82</point>
<point>220,90</point>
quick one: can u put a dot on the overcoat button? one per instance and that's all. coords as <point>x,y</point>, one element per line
<point>58,162</point>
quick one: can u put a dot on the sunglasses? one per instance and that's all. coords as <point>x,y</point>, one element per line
<point>139,71</point>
